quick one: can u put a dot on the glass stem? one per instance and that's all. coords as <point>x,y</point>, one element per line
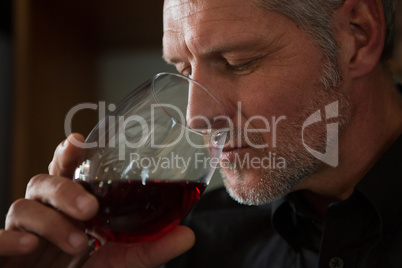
<point>79,260</point>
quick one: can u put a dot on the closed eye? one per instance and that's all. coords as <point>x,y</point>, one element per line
<point>244,68</point>
<point>239,67</point>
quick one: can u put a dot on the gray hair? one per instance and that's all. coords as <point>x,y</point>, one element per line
<point>315,17</point>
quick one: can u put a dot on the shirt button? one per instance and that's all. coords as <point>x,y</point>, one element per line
<point>336,262</point>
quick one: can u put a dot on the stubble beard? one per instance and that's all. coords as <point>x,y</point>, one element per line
<point>275,183</point>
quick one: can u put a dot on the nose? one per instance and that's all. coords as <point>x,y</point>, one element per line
<point>204,111</point>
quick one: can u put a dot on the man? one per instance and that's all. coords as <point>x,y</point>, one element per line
<point>275,58</point>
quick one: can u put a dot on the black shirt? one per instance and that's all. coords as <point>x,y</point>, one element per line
<point>364,230</point>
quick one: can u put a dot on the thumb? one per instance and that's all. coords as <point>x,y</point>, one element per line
<point>67,156</point>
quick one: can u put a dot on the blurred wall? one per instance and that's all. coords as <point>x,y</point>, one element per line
<point>5,104</point>
<point>5,118</point>
<point>120,71</point>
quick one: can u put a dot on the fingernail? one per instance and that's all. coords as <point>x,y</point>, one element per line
<point>86,203</point>
<point>77,240</point>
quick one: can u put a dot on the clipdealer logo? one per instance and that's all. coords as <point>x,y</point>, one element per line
<point>331,154</point>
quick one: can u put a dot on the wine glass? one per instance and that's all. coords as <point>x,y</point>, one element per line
<point>150,159</point>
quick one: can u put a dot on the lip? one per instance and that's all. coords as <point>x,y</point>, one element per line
<point>229,153</point>
<point>231,148</point>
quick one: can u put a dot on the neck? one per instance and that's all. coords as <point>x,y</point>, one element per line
<point>375,124</point>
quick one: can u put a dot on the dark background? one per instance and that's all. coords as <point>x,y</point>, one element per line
<point>5,103</point>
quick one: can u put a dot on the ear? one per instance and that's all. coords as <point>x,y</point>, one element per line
<point>363,29</point>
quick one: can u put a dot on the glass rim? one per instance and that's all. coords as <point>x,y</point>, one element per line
<point>200,86</point>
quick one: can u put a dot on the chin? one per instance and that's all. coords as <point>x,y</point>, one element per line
<point>250,188</point>
<point>264,185</point>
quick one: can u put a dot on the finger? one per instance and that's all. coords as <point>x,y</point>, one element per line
<point>67,156</point>
<point>17,243</point>
<point>148,254</point>
<point>32,216</point>
<point>158,252</point>
<point>63,194</point>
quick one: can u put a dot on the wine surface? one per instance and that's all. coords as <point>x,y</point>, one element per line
<point>133,211</point>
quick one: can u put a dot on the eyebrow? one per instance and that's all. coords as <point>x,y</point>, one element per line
<point>171,60</point>
<point>222,49</point>
<point>235,46</point>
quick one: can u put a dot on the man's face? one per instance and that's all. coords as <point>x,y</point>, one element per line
<point>266,73</point>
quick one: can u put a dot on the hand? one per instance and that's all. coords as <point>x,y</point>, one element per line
<point>45,230</point>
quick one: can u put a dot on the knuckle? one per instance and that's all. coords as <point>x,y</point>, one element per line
<point>30,215</point>
<point>33,183</point>
<point>48,189</point>
<point>63,165</point>
<point>53,218</point>
<point>50,167</point>
<point>18,205</point>
<point>62,188</point>
<point>14,211</point>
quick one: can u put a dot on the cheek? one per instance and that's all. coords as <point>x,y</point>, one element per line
<point>281,91</point>
<point>279,109</point>
<point>286,85</point>
<point>275,101</point>
<point>283,84</point>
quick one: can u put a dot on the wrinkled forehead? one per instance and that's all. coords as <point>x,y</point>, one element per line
<point>187,12</point>
<point>201,27</point>
<point>177,10</point>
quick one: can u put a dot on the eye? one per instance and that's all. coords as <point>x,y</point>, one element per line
<point>243,68</point>
<point>185,71</point>
<point>188,75</point>
<point>239,67</point>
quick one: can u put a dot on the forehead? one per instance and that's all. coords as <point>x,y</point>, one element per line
<point>189,10</point>
<point>203,23</point>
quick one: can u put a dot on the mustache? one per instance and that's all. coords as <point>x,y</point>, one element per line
<point>238,138</point>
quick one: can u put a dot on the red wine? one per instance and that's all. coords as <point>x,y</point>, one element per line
<point>131,211</point>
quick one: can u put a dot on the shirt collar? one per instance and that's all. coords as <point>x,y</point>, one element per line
<point>382,186</point>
